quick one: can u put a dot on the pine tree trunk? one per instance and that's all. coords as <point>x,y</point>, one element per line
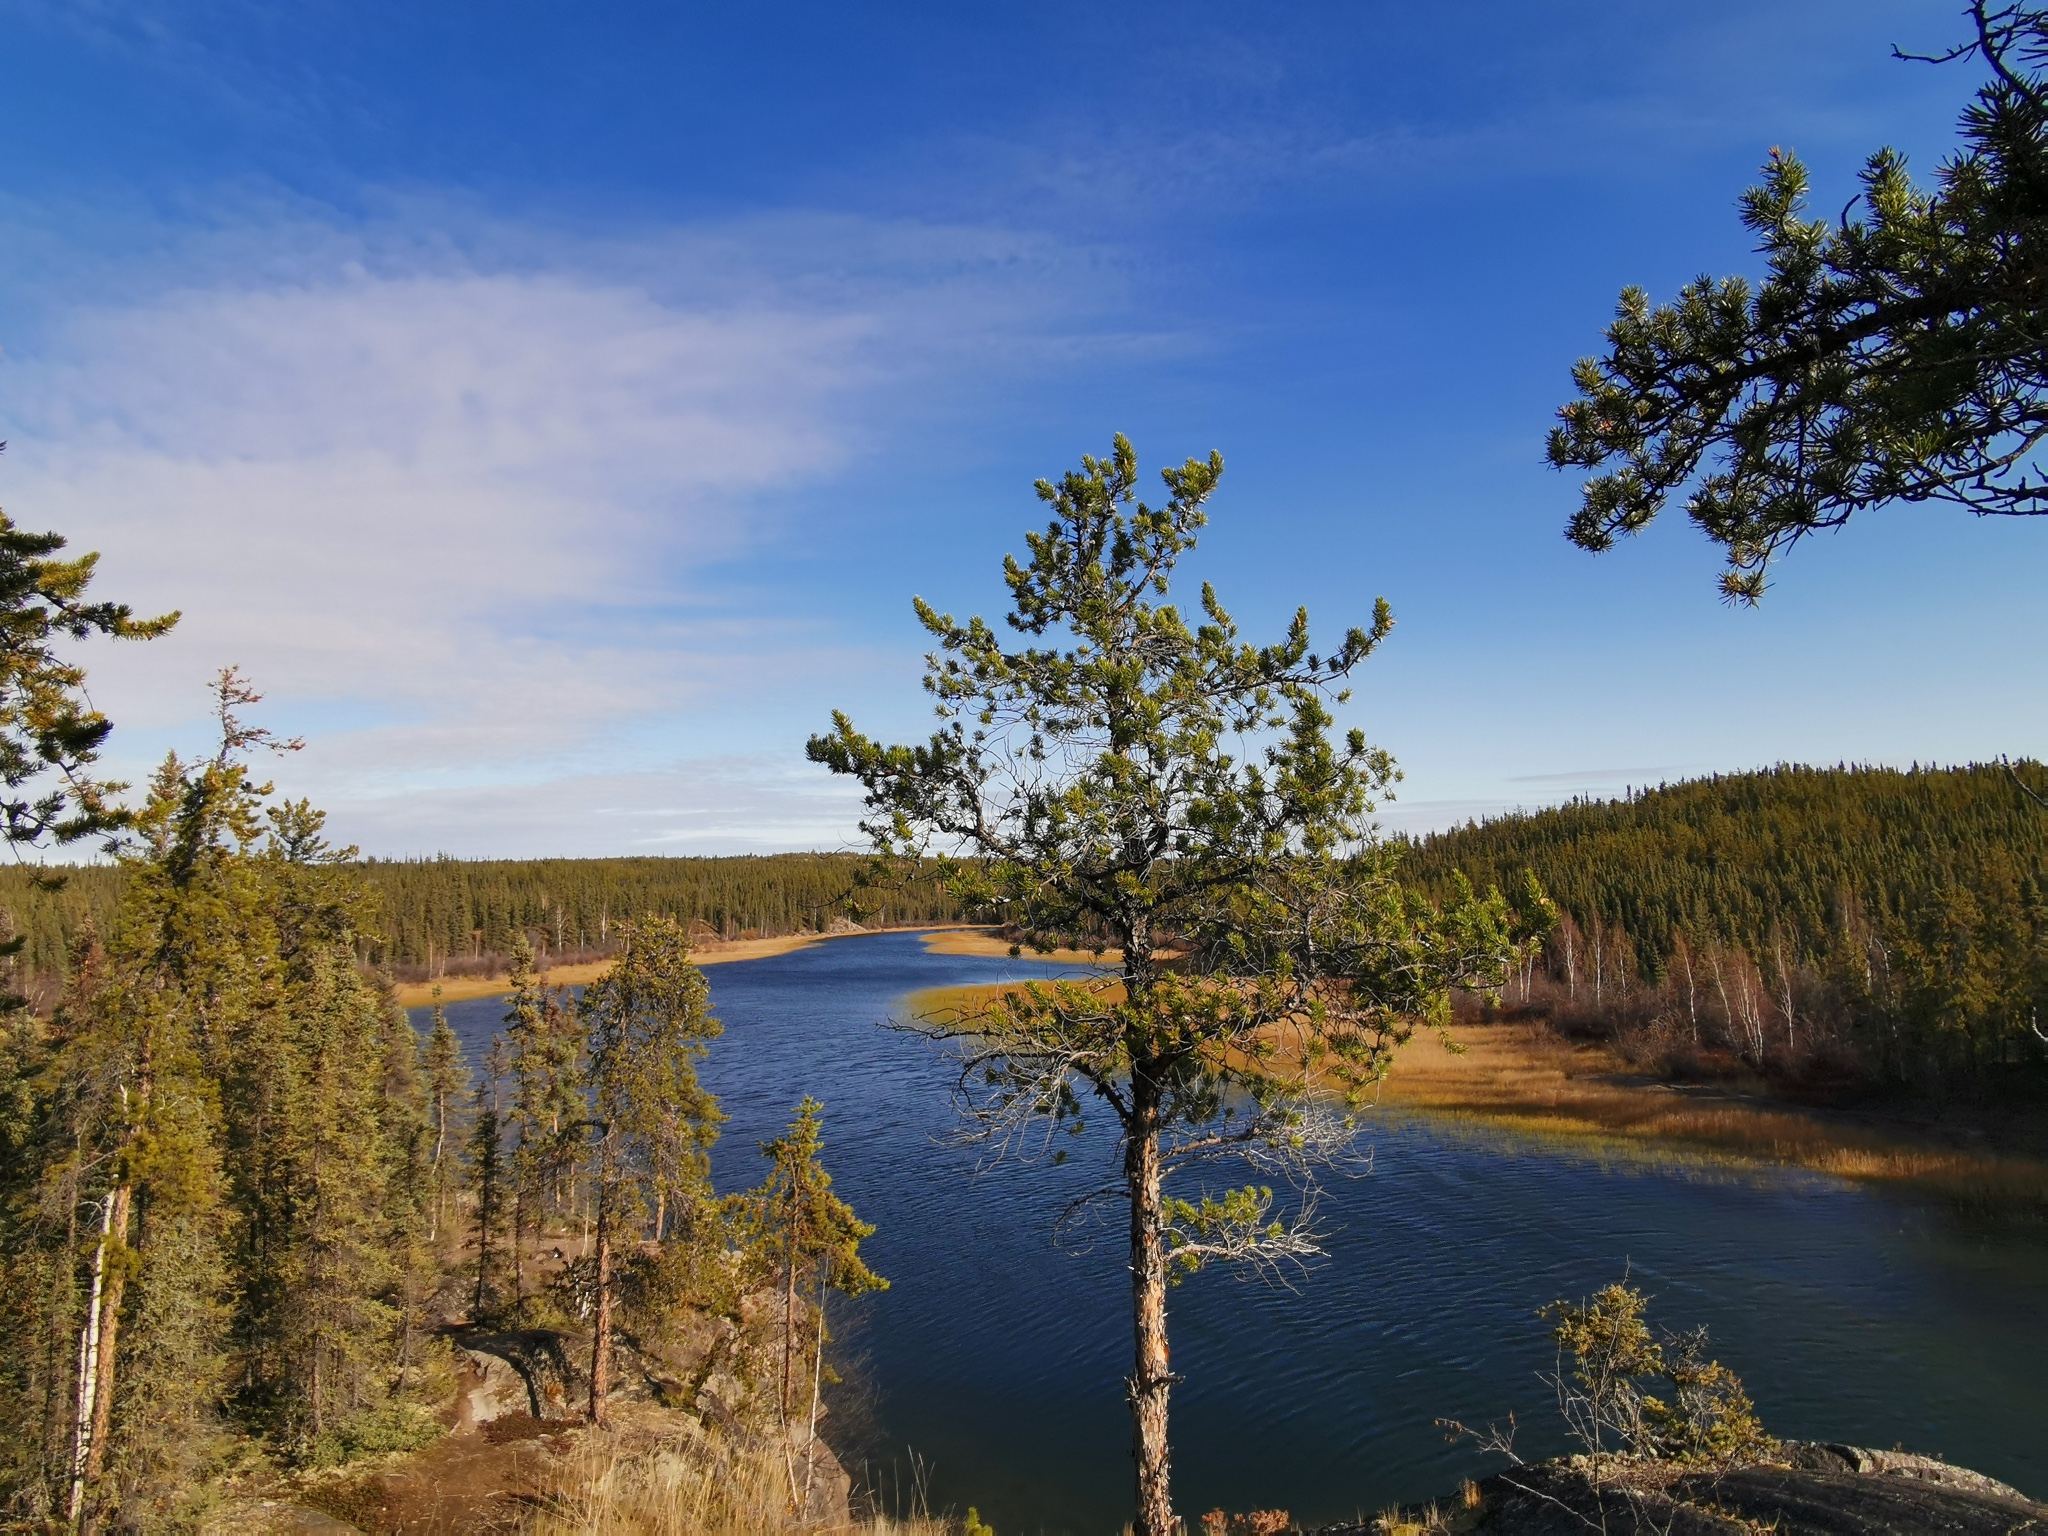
<point>1151,1377</point>
<point>601,1324</point>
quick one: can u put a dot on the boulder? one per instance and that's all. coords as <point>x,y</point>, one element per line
<point>1808,1489</point>
<point>541,1359</point>
<point>486,1389</point>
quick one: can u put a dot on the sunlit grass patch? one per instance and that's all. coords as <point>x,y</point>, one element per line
<point>990,942</point>
<point>603,1488</point>
<point>1521,1078</point>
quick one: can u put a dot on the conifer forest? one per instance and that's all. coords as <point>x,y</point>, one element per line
<point>1878,924</point>
<point>1121,1094</point>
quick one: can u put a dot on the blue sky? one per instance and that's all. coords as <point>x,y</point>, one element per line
<point>555,407</point>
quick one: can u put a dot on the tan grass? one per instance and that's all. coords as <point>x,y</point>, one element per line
<point>958,1005</point>
<point>1523,1080</point>
<point>608,1488</point>
<point>989,941</point>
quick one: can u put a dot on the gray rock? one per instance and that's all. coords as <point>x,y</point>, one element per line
<point>541,1358</point>
<point>1817,1490</point>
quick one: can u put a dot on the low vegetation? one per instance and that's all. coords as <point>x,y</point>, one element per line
<point>1522,1078</point>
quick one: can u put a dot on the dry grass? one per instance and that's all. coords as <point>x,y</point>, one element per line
<point>605,1488</point>
<point>1524,1080</point>
<point>989,941</point>
<point>958,1005</point>
<point>460,989</point>
<point>648,1472</point>
<point>1521,1078</point>
<point>456,989</point>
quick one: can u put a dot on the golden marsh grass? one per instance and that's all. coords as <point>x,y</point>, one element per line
<point>1523,1080</point>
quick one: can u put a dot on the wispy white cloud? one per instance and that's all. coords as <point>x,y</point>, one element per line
<point>456,512</point>
<point>697,806</point>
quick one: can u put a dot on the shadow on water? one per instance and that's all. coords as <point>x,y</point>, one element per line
<point>997,1355</point>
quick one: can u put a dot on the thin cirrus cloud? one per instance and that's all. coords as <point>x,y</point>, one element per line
<point>455,520</point>
<point>714,804</point>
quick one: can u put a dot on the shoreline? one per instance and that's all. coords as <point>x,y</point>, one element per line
<point>1520,1080</point>
<point>462,989</point>
<point>983,940</point>
<point>1517,1080</point>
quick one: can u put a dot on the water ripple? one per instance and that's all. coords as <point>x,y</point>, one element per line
<point>998,1357</point>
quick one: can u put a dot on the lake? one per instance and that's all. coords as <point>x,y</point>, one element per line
<point>995,1361</point>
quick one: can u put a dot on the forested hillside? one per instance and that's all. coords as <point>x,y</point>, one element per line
<point>1739,857</point>
<point>1905,912</point>
<point>434,911</point>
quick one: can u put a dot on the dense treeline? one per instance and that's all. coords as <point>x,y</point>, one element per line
<point>1737,857</point>
<point>1893,920</point>
<point>452,914</point>
<point>49,909</point>
<point>244,1207</point>
<point>441,908</point>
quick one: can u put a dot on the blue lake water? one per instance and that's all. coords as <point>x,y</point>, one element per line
<point>997,1356</point>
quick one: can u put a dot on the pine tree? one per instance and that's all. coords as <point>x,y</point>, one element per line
<point>1097,780</point>
<point>807,1235</point>
<point>1889,357</point>
<point>50,734</point>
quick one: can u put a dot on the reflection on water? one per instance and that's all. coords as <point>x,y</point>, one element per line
<point>998,1355</point>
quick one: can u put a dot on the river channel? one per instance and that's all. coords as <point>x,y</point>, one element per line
<point>994,1362</point>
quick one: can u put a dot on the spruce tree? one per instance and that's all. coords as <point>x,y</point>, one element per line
<point>487,1178</point>
<point>133,1146</point>
<point>648,1022</point>
<point>445,1074</point>
<point>218,1163</point>
<point>547,1111</point>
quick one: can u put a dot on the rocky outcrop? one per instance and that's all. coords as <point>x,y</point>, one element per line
<point>539,1358</point>
<point>707,1387</point>
<point>1807,1489</point>
<point>1811,1456</point>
